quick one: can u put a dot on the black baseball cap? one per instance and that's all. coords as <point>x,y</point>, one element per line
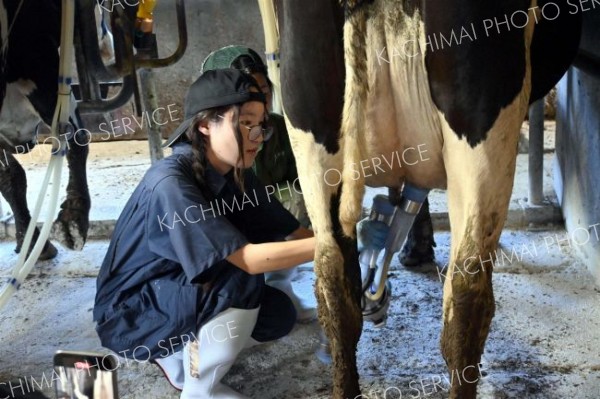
<point>216,88</point>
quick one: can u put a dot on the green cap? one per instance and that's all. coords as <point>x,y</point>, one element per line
<point>224,57</point>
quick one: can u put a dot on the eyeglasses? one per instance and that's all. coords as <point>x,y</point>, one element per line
<point>255,131</point>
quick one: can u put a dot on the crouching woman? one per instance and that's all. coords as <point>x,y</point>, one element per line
<point>182,283</point>
<point>189,250</point>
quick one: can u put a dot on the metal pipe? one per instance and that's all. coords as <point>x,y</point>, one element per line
<point>127,63</point>
<point>536,152</point>
<point>124,64</point>
<point>122,29</point>
<point>88,50</point>
<point>150,104</point>
<point>88,82</point>
<point>100,106</point>
<point>141,62</point>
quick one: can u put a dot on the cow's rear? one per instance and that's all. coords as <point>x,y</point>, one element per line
<point>447,77</point>
<point>456,78</point>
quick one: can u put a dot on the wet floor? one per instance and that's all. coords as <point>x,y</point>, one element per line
<point>544,342</point>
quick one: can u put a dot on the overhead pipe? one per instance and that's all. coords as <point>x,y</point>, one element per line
<point>126,63</point>
<point>142,62</point>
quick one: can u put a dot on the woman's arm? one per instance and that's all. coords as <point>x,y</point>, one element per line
<point>272,256</point>
<point>299,233</point>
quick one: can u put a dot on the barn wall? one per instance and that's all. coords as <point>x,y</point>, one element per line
<point>577,164</point>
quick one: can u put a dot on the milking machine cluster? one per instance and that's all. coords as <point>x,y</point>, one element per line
<point>376,288</point>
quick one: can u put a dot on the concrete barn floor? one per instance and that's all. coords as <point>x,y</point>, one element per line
<point>544,341</point>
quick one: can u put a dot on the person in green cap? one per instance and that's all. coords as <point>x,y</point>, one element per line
<point>275,164</point>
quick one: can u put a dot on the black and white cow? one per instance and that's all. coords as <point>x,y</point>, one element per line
<point>455,77</point>
<point>30,37</point>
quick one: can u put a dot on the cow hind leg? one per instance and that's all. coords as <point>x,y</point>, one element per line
<point>480,181</point>
<point>71,225</point>
<point>13,186</point>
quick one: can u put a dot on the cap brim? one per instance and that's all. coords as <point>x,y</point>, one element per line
<point>185,125</point>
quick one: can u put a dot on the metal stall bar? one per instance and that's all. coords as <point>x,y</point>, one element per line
<point>536,152</point>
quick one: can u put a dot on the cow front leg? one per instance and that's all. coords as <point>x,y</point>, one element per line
<point>13,186</point>
<point>480,181</point>
<point>71,226</point>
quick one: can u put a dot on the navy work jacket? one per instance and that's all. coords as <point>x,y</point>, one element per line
<point>165,246</point>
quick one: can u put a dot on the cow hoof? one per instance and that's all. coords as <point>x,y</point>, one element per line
<point>416,258</point>
<point>49,252</point>
<point>69,234</point>
<point>71,225</point>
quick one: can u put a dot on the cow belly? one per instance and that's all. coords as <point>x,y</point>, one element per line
<point>403,138</point>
